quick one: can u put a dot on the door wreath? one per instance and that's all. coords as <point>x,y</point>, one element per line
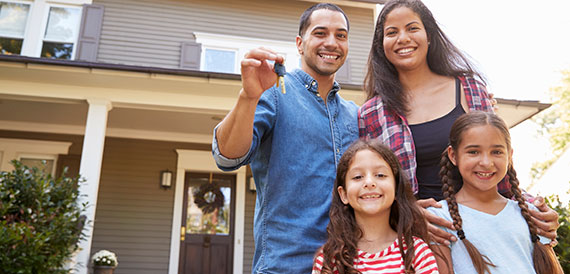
<point>209,197</point>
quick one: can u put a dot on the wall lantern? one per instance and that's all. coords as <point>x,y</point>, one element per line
<point>166,179</point>
<point>251,184</point>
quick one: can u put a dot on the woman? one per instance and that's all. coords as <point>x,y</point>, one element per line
<point>417,84</point>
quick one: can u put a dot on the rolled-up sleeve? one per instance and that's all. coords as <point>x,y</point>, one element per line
<point>223,162</point>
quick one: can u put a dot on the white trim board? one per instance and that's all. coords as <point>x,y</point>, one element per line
<point>14,148</point>
<point>111,132</point>
<point>202,161</point>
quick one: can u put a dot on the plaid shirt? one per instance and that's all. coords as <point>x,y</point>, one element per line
<point>374,121</point>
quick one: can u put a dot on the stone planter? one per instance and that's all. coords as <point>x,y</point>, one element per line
<point>103,269</point>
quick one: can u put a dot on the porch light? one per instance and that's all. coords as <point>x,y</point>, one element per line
<point>166,179</point>
<point>251,184</point>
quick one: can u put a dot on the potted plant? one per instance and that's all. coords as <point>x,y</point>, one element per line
<point>104,262</point>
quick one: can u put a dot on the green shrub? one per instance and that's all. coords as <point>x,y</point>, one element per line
<point>563,248</point>
<point>40,221</point>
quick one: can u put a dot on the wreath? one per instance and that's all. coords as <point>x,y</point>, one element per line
<point>209,197</point>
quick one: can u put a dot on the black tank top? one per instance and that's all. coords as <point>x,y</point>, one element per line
<point>431,139</point>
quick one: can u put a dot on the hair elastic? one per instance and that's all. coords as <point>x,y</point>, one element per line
<point>461,234</point>
<point>534,238</point>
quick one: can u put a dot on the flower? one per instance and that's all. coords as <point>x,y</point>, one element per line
<point>104,257</point>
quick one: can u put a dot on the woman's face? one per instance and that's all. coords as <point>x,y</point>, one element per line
<point>405,40</point>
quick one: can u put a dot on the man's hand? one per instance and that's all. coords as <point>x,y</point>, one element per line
<point>546,220</point>
<point>436,233</point>
<point>257,74</point>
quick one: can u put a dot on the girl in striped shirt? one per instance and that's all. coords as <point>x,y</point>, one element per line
<point>373,217</point>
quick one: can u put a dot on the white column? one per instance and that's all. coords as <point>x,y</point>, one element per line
<point>240,220</point>
<point>90,170</point>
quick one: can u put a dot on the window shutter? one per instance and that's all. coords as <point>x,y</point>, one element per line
<point>190,55</point>
<point>89,33</point>
<point>343,74</point>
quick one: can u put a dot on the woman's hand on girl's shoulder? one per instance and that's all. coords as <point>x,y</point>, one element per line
<point>436,234</point>
<point>545,219</point>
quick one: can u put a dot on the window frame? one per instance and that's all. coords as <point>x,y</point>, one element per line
<point>42,39</point>
<point>17,148</point>
<point>37,22</point>
<point>28,20</point>
<point>243,44</point>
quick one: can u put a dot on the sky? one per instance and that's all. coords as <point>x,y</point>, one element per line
<point>521,47</point>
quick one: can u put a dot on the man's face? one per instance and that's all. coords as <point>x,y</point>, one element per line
<point>324,45</point>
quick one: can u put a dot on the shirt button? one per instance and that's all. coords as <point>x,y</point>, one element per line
<point>307,86</point>
<point>313,83</point>
<point>337,150</point>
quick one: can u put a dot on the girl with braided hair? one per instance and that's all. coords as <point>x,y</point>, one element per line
<point>496,234</point>
<point>375,225</point>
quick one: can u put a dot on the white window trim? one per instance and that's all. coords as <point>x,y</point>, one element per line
<point>243,44</point>
<point>41,40</point>
<point>16,148</point>
<point>37,22</point>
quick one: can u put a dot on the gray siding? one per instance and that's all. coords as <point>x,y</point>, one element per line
<point>150,32</point>
<point>134,215</point>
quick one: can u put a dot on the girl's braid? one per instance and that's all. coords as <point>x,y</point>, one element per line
<point>543,257</point>
<point>480,261</point>
<point>446,173</point>
<point>522,204</point>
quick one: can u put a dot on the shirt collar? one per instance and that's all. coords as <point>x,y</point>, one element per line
<point>311,84</point>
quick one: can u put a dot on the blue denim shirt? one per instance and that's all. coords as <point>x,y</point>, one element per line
<point>297,143</point>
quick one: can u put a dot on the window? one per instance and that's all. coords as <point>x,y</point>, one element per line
<point>61,32</point>
<point>216,58</point>
<point>46,163</point>
<point>13,19</point>
<point>40,28</point>
<point>32,153</point>
<point>220,60</point>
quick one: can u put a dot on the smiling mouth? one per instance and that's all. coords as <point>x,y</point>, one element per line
<point>405,50</point>
<point>328,56</point>
<point>371,196</point>
<point>485,174</point>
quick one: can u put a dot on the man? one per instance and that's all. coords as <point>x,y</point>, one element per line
<point>293,141</point>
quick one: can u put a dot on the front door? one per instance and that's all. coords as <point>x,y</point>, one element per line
<point>206,235</point>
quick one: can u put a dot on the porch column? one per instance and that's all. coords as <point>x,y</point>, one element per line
<point>90,170</point>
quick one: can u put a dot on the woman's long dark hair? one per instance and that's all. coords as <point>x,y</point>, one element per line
<point>343,231</point>
<point>543,256</point>
<point>443,58</point>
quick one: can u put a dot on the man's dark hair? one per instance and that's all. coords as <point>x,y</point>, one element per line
<point>306,16</point>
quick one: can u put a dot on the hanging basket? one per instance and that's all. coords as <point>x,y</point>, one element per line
<point>209,197</point>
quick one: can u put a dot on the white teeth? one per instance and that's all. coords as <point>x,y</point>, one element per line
<point>371,196</point>
<point>329,56</point>
<point>489,174</point>
<point>406,50</point>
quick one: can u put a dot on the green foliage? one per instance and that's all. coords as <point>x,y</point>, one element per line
<point>563,248</point>
<point>555,123</point>
<point>40,221</point>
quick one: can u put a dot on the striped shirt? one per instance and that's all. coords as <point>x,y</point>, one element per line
<point>389,260</point>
